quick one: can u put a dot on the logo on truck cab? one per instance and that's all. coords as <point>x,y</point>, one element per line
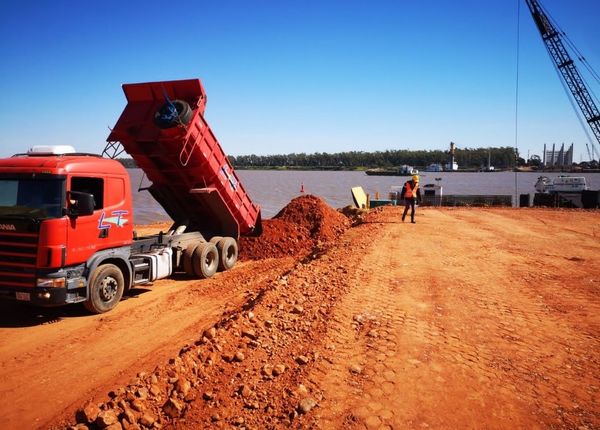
<point>10,227</point>
<point>116,219</point>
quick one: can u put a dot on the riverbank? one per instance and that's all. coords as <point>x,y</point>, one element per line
<point>483,318</point>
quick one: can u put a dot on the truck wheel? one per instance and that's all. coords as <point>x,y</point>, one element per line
<point>172,113</point>
<point>228,253</point>
<point>188,266</point>
<point>205,260</point>
<point>215,239</point>
<point>105,289</point>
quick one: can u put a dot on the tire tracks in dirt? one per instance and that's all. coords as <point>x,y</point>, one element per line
<point>454,336</point>
<point>469,319</point>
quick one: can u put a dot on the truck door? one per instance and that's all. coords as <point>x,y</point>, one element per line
<point>84,236</point>
<point>110,225</point>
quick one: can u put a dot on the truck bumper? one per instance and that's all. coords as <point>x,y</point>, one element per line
<point>41,296</point>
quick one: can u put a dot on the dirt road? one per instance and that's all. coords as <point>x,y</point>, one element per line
<point>471,318</point>
<point>51,360</point>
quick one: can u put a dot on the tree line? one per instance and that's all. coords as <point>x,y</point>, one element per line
<point>503,157</point>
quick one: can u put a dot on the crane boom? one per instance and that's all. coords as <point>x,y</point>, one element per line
<point>563,62</point>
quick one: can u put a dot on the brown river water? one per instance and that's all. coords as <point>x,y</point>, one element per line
<point>273,189</point>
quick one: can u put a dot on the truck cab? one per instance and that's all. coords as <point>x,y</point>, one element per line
<point>61,214</point>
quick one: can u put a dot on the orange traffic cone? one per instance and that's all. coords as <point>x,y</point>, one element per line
<point>302,187</point>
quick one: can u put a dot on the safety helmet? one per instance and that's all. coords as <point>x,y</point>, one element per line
<point>415,178</point>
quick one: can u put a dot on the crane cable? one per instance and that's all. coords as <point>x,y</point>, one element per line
<point>517,98</point>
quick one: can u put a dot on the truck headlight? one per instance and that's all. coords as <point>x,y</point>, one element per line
<point>51,282</point>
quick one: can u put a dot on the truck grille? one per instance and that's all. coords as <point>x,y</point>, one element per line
<point>18,255</point>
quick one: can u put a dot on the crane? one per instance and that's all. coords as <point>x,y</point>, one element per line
<point>552,39</point>
<point>595,150</point>
<point>589,152</point>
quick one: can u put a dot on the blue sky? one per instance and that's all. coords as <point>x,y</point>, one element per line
<point>295,76</point>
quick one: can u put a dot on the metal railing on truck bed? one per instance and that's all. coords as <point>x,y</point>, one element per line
<point>163,129</point>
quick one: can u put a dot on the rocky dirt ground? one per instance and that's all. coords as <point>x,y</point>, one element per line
<point>470,318</point>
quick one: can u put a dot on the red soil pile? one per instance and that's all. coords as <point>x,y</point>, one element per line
<point>296,229</point>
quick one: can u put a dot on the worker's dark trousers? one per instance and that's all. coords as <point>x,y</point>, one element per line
<point>409,203</point>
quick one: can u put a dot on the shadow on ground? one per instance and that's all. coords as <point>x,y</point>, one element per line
<point>14,314</point>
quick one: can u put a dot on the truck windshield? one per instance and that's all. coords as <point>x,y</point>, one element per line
<point>38,198</point>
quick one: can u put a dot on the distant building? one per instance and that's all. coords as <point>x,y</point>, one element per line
<point>558,158</point>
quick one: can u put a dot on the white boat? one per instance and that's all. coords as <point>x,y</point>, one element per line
<point>434,167</point>
<point>407,170</point>
<point>562,184</point>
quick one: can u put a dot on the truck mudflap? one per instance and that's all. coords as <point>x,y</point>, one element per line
<point>191,175</point>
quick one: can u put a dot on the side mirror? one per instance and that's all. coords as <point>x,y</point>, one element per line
<point>80,204</point>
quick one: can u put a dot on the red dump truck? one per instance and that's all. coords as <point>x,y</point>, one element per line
<point>66,231</point>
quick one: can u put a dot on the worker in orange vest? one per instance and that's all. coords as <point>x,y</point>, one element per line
<point>411,193</point>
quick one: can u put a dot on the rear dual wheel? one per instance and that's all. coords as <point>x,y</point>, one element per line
<point>205,260</point>
<point>228,252</point>
<point>201,260</point>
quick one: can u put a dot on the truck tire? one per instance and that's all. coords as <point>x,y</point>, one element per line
<point>228,253</point>
<point>166,117</point>
<point>105,289</point>
<point>215,239</point>
<point>188,265</point>
<point>205,260</point>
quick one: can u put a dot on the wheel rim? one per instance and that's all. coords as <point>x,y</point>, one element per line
<point>108,288</point>
<point>209,260</point>
<point>230,253</point>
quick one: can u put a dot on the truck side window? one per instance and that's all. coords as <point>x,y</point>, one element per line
<point>94,186</point>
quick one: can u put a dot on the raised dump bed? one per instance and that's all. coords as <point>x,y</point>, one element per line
<point>163,129</point>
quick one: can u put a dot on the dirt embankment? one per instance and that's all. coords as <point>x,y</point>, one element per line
<point>471,318</point>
